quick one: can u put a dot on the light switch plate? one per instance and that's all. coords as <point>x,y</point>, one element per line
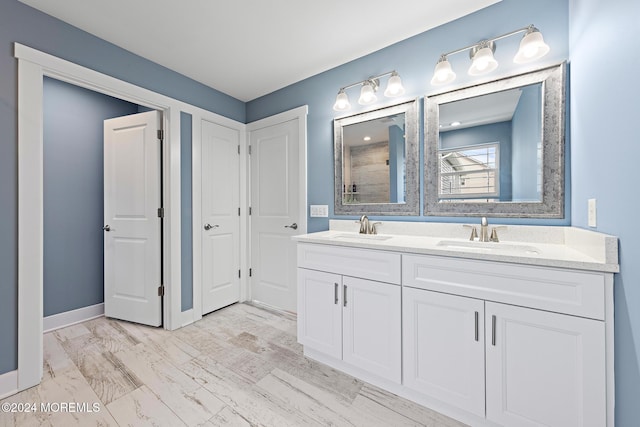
<point>592,213</point>
<point>319,211</point>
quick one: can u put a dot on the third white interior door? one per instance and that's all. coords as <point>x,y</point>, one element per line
<point>220,216</point>
<point>275,216</point>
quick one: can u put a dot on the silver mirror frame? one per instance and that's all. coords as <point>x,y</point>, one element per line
<point>412,182</point>
<point>553,81</point>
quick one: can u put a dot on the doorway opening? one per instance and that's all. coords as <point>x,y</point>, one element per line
<point>33,66</point>
<point>74,196</point>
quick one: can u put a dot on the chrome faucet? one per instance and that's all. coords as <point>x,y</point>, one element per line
<point>364,224</point>
<point>484,236</point>
<point>367,227</point>
<point>484,230</point>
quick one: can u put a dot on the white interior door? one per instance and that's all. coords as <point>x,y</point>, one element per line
<point>132,238</point>
<point>220,217</point>
<point>275,213</point>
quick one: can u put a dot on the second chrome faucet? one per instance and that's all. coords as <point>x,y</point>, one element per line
<point>367,227</point>
<point>484,235</point>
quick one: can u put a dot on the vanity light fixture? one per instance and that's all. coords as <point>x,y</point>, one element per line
<point>368,91</point>
<point>532,47</point>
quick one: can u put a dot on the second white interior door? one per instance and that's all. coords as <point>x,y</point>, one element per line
<point>220,218</point>
<point>275,215</point>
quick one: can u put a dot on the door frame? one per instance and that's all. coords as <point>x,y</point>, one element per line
<point>33,66</point>
<point>299,113</point>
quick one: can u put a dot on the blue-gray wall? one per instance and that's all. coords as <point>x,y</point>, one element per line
<point>526,137</point>
<point>605,150</point>
<point>73,193</point>
<point>23,24</point>
<point>414,59</point>
<point>186,248</point>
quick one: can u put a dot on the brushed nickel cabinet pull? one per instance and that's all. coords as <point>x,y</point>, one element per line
<point>493,330</point>
<point>335,293</point>
<point>344,295</point>
<point>477,326</point>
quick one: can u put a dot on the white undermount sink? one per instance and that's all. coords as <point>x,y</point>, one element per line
<point>490,247</point>
<point>359,236</point>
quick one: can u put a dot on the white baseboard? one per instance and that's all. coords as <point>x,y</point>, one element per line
<point>8,384</point>
<point>68,318</point>
<point>187,318</point>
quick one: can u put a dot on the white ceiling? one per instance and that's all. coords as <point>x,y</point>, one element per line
<point>249,48</point>
<point>480,110</point>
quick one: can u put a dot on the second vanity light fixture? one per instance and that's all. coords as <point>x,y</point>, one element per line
<point>368,92</point>
<point>532,47</point>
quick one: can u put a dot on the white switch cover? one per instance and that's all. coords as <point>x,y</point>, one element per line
<point>591,215</point>
<point>319,211</point>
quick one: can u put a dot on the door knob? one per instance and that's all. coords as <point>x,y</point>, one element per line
<point>209,226</point>
<point>106,228</point>
<point>293,226</point>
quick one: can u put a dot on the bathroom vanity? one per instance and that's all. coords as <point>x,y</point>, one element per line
<point>511,333</point>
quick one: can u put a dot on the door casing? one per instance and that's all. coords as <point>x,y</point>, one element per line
<point>33,65</point>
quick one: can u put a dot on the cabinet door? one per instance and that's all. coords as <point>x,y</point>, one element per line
<point>371,327</point>
<point>320,311</point>
<point>544,369</point>
<point>443,340</point>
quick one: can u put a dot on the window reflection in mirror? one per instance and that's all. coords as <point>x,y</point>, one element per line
<point>374,161</point>
<point>470,172</point>
<point>490,147</point>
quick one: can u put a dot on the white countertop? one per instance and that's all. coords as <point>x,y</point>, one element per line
<point>564,247</point>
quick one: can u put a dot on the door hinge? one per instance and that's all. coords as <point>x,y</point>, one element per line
<point>250,272</point>
<point>239,274</point>
<point>160,134</point>
<point>161,290</point>
<point>249,149</point>
<point>160,212</point>
<point>238,149</point>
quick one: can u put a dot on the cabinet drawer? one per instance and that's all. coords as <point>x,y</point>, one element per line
<point>575,292</point>
<point>364,263</point>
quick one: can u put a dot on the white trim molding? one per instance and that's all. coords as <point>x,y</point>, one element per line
<point>68,318</point>
<point>33,65</point>
<point>8,384</point>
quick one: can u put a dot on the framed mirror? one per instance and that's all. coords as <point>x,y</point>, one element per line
<point>497,149</point>
<point>376,162</point>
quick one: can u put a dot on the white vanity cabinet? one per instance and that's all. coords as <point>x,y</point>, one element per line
<point>543,350</point>
<point>349,307</point>
<point>544,369</point>
<point>443,354</point>
<point>320,311</point>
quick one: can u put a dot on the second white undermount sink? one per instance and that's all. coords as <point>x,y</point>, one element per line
<point>490,247</point>
<point>358,236</point>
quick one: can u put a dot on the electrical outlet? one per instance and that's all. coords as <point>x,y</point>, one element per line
<point>591,213</point>
<point>319,211</point>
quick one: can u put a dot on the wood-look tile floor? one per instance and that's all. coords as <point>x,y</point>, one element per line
<point>239,366</point>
